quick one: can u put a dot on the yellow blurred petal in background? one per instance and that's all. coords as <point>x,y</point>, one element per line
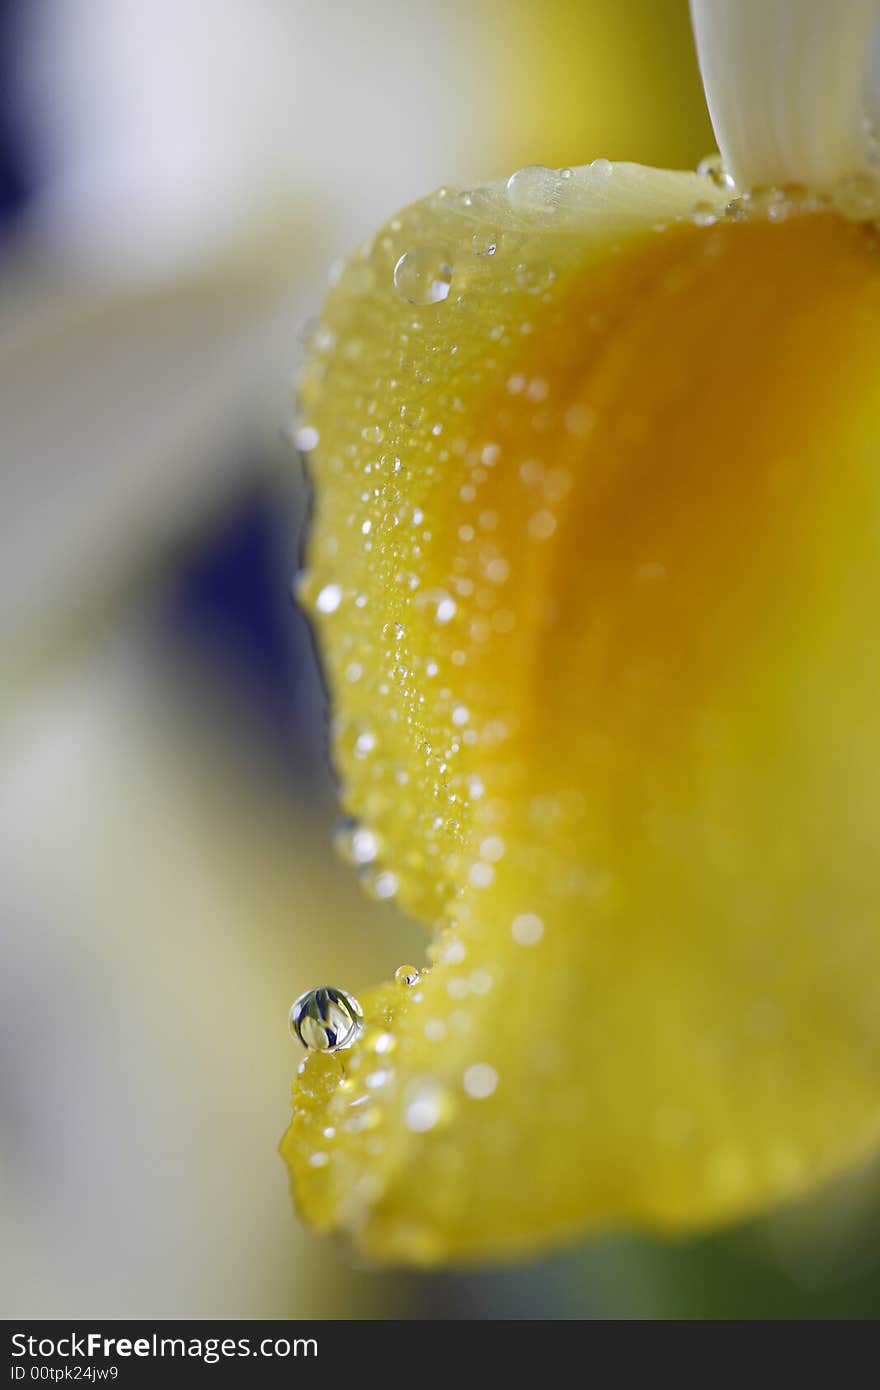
<point>596,515</point>
<point>616,79</point>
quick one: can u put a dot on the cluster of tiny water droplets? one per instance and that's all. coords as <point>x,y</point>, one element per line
<point>856,196</point>
<point>773,204</point>
<point>357,1106</point>
<point>444,457</point>
<point>436,523</point>
<point>422,604</point>
<point>409,599</point>
<point>417,583</point>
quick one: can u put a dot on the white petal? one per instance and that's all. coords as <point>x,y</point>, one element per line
<point>127,412</point>
<point>787,82</point>
<point>169,129</point>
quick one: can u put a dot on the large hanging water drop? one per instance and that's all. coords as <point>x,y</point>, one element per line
<point>534,189</point>
<point>423,276</point>
<point>326,1019</point>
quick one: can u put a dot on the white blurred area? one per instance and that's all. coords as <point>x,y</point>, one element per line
<point>199,166</point>
<point>159,916</point>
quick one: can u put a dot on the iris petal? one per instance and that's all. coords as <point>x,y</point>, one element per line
<point>598,527</point>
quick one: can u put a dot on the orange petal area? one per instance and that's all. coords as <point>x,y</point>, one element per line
<point>593,572</point>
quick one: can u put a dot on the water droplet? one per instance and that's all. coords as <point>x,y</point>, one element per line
<point>326,1019</point>
<point>579,420</point>
<point>541,525</point>
<point>423,276</point>
<point>480,1081</point>
<point>531,471</point>
<point>306,438</point>
<point>437,599</point>
<point>382,885</point>
<point>534,276</point>
<point>481,875</point>
<point>364,744</point>
<point>378,1078</point>
<point>704,215</point>
<point>556,484</point>
<point>857,197</point>
<point>407,975</point>
<point>329,598</point>
<point>533,189</point>
<point>428,1104</point>
<point>453,953</point>
<point>527,929</point>
<point>485,243</point>
<point>356,843</point>
<point>712,168</point>
<point>372,434</point>
<point>602,168</point>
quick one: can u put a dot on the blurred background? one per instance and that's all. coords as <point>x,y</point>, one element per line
<point>176,177</point>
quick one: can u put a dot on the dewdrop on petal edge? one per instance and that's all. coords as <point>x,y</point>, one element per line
<point>326,1019</point>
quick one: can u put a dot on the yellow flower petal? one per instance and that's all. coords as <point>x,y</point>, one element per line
<point>595,544</point>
